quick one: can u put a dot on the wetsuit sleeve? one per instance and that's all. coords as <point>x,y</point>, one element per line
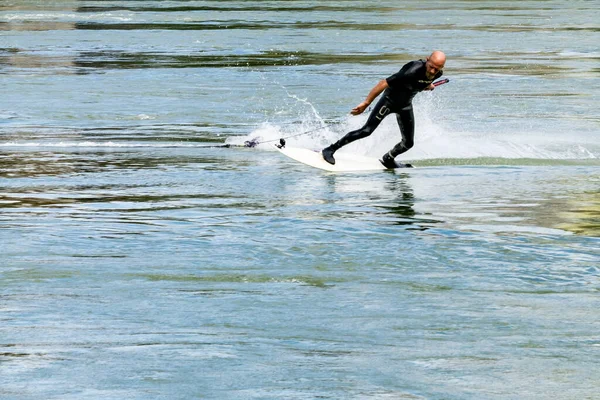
<point>405,75</point>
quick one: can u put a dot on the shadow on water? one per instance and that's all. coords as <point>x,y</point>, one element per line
<point>321,25</point>
<point>100,60</point>
<point>390,201</point>
<point>145,202</point>
<point>56,163</point>
<point>272,58</point>
<point>223,7</point>
<point>401,209</point>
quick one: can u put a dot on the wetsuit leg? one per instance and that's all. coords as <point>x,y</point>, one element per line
<point>406,121</point>
<point>380,111</point>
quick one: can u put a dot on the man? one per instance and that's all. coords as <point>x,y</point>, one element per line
<point>400,89</point>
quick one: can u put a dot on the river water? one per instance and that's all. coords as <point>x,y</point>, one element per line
<point>143,258</point>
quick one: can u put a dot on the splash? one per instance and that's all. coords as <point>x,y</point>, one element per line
<point>434,138</point>
<point>308,129</point>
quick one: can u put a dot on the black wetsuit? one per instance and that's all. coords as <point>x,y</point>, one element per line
<point>397,98</point>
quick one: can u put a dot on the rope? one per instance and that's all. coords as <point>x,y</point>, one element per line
<point>291,136</point>
<point>254,142</point>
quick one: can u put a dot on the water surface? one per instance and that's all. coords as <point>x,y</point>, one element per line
<point>147,254</point>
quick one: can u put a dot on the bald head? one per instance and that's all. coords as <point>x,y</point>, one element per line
<point>438,57</point>
<point>435,63</point>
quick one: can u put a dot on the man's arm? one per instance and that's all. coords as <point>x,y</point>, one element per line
<point>376,91</point>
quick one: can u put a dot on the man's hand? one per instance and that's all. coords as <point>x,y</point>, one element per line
<point>430,87</point>
<point>359,108</point>
<point>376,91</point>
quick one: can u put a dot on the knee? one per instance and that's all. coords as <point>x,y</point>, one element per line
<point>363,132</point>
<point>367,130</point>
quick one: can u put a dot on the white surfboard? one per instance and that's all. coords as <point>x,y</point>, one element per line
<point>344,162</point>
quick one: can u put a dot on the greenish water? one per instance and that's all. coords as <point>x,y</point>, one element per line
<point>142,259</point>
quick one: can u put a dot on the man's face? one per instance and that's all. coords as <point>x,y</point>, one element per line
<point>432,67</point>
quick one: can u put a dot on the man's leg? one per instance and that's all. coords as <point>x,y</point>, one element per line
<point>380,111</point>
<point>406,122</point>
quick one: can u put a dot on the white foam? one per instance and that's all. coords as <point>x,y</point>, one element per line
<point>432,138</point>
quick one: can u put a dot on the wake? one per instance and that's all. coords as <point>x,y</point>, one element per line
<point>433,139</point>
